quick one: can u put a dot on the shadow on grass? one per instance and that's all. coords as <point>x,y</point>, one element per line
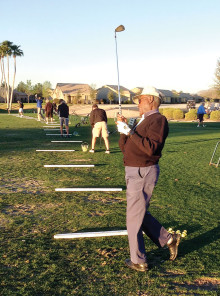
<point>156,257</point>
<point>200,241</point>
<point>100,229</point>
<point>192,141</point>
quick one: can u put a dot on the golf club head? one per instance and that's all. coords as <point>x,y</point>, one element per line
<point>120,28</point>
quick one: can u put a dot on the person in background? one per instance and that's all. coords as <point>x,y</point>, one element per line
<point>49,111</point>
<point>142,146</point>
<point>98,121</point>
<point>200,113</point>
<point>54,107</point>
<point>21,106</point>
<point>63,112</point>
<point>39,108</point>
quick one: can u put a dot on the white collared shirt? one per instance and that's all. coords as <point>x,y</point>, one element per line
<point>145,115</point>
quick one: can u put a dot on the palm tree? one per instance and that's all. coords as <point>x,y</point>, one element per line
<point>16,52</point>
<point>1,63</point>
<point>3,79</point>
<point>7,51</point>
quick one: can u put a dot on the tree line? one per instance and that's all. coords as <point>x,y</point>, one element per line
<point>41,89</point>
<point>9,50</point>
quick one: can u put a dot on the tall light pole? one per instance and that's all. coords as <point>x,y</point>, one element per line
<point>118,29</point>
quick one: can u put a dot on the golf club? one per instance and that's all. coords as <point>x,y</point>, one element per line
<point>118,29</point>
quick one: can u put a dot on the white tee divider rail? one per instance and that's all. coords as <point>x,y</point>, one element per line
<point>55,135</point>
<point>66,141</point>
<point>69,165</point>
<point>53,150</point>
<point>90,234</point>
<point>88,189</point>
<point>51,126</point>
<point>54,129</point>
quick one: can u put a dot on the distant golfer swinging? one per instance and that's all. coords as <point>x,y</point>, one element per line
<point>63,111</point>
<point>98,121</point>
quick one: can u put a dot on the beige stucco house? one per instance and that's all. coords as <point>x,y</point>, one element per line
<point>103,92</point>
<point>169,97</point>
<point>72,93</point>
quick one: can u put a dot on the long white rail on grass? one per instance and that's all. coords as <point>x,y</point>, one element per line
<point>51,126</point>
<point>69,165</point>
<point>54,135</point>
<point>55,129</point>
<point>88,189</point>
<point>51,150</point>
<point>90,234</point>
<point>66,141</point>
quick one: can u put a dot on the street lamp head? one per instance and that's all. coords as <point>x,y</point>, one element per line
<point>120,28</point>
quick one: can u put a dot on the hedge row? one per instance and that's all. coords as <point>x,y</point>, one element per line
<point>176,114</point>
<point>215,115</point>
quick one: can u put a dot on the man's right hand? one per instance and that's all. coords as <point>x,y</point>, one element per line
<point>121,118</point>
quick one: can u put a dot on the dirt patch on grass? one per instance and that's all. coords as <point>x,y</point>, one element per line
<point>80,159</point>
<point>206,284</point>
<point>9,212</point>
<point>103,199</point>
<point>96,213</point>
<point>174,273</point>
<point>16,185</point>
<point>28,209</point>
<point>109,252</point>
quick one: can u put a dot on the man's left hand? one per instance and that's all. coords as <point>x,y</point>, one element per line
<point>123,128</point>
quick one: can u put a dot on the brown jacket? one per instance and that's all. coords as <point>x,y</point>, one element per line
<point>97,115</point>
<point>144,147</point>
<point>48,107</point>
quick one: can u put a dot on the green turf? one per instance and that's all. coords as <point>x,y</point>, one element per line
<point>186,197</point>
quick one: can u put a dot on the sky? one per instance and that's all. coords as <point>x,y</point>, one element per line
<point>168,44</point>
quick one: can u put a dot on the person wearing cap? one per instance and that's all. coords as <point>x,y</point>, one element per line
<point>142,146</point>
<point>98,121</point>
<point>63,111</point>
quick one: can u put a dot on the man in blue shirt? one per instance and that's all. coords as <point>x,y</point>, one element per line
<point>39,108</point>
<point>200,112</point>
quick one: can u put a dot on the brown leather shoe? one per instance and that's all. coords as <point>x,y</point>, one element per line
<point>139,267</point>
<point>173,247</point>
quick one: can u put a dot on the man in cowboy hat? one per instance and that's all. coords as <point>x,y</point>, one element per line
<point>141,147</point>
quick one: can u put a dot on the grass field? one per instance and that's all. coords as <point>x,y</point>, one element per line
<point>186,197</point>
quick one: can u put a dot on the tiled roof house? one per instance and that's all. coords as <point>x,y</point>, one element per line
<point>102,93</point>
<point>72,92</point>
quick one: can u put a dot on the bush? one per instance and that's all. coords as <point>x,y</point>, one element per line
<point>161,110</point>
<point>206,116</point>
<point>191,115</point>
<point>168,113</point>
<point>178,114</point>
<point>215,115</point>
